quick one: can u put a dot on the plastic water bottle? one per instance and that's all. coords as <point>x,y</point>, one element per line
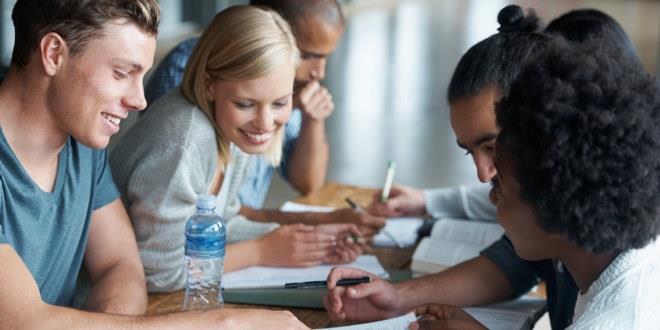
<point>204,256</point>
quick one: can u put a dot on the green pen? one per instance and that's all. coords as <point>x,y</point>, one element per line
<point>389,178</point>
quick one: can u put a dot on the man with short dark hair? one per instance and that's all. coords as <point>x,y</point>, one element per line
<point>76,72</point>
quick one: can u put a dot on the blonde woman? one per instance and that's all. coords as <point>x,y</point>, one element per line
<point>232,105</point>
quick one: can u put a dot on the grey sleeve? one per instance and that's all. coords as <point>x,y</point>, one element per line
<point>521,273</point>
<point>469,202</point>
<point>162,193</point>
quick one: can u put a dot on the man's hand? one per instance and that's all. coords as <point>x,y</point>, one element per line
<point>371,301</point>
<point>403,201</point>
<point>437,316</point>
<point>315,101</point>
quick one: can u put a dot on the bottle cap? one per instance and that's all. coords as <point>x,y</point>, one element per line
<point>206,201</point>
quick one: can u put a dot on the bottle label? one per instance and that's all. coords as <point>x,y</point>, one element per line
<point>204,246</point>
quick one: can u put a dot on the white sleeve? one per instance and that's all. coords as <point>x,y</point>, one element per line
<point>469,202</point>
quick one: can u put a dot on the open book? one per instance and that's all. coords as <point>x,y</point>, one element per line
<point>451,242</point>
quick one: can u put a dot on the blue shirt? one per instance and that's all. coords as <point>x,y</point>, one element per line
<point>49,230</point>
<point>259,173</point>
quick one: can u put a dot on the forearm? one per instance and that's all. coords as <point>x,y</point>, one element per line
<point>475,282</point>
<point>242,254</point>
<point>283,218</point>
<point>119,290</point>
<point>52,317</point>
<point>308,164</point>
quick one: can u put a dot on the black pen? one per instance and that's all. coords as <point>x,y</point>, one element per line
<point>354,206</point>
<point>389,235</point>
<point>323,284</point>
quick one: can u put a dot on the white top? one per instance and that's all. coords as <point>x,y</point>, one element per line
<point>469,202</point>
<point>626,295</point>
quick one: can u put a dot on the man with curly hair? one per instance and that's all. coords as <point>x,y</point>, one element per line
<point>578,175</point>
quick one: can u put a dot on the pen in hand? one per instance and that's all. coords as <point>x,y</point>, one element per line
<point>389,178</point>
<point>389,235</point>
<point>358,209</point>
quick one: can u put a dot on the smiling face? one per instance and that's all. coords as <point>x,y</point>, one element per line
<point>95,89</point>
<point>316,40</point>
<point>249,113</point>
<point>473,121</point>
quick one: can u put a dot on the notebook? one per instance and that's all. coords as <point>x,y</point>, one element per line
<point>398,232</point>
<point>275,277</point>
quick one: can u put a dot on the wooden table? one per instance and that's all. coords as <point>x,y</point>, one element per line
<point>332,194</point>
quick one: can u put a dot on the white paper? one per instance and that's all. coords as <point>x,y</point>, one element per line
<point>404,229</point>
<point>398,323</point>
<point>297,207</point>
<point>263,277</point>
<point>501,319</point>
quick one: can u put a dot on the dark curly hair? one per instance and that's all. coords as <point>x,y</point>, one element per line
<point>582,127</point>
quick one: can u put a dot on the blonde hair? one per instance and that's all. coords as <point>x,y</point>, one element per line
<point>241,43</point>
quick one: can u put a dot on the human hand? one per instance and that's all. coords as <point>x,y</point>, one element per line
<point>437,316</point>
<point>403,201</point>
<point>314,100</point>
<point>371,301</point>
<point>350,243</point>
<point>244,318</point>
<point>368,224</point>
<point>295,245</point>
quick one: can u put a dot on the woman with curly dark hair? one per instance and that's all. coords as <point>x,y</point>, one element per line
<point>578,163</point>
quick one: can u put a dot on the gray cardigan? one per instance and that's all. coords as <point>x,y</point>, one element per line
<point>160,166</point>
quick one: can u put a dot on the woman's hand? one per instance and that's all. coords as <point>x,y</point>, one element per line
<point>295,245</point>
<point>368,224</point>
<point>350,242</point>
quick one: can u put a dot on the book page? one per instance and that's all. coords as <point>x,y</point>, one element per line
<point>466,231</point>
<point>397,323</point>
<point>269,277</point>
<point>449,253</point>
<point>500,319</point>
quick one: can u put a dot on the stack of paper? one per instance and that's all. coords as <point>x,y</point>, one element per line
<point>275,277</point>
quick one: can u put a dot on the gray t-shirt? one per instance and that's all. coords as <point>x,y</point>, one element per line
<point>49,230</point>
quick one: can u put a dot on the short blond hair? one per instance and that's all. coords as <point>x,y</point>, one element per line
<point>241,43</point>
